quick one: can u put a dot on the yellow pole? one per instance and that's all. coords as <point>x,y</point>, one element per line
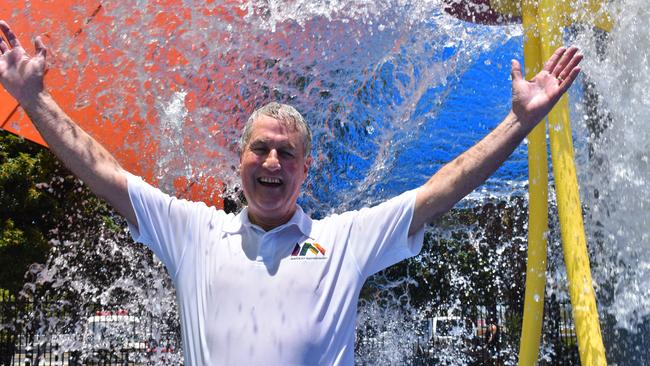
<point>531,330</point>
<point>571,11</point>
<point>583,300</point>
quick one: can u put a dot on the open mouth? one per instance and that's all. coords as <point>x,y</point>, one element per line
<point>269,182</point>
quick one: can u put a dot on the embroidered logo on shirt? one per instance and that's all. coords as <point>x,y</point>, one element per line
<point>308,250</point>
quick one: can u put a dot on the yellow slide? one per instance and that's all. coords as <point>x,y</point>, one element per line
<point>543,21</point>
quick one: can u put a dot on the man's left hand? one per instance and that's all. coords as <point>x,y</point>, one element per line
<point>532,100</point>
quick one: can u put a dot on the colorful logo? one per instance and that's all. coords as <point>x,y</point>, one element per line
<point>311,249</point>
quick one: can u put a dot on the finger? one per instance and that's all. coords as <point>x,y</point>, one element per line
<point>573,63</point>
<point>41,50</point>
<point>566,83</point>
<point>3,45</point>
<point>11,37</point>
<point>515,70</point>
<point>564,61</point>
<point>552,62</point>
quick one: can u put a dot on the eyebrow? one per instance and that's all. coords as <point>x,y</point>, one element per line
<point>280,145</point>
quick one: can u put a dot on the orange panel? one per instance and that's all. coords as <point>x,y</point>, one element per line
<point>128,135</point>
<point>12,118</point>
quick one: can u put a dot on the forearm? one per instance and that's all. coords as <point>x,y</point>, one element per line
<point>469,170</point>
<point>79,152</point>
<point>531,101</point>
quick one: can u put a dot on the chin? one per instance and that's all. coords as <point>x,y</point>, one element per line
<point>270,209</point>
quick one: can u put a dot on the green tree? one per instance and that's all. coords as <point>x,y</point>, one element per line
<point>38,199</point>
<point>26,211</point>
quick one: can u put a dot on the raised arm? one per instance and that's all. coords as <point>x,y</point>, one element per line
<point>22,76</point>
<point>531,101</point>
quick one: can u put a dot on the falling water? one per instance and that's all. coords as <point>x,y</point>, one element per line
<point>615,175</point>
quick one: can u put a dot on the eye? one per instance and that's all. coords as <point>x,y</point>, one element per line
<point>287,154</point>
<point>259,149</point>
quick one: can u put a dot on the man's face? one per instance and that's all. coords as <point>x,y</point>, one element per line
<point>272,169</point>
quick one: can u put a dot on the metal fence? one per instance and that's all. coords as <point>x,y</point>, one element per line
<point>477,335</point>
<point>49,333</point>
<point>45,333</point>
<point>473,335</point>
<point>560,334</point>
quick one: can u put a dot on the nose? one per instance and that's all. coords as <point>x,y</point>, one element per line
<point>272,162</point>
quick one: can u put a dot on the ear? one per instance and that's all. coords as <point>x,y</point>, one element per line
<point>307,165</point>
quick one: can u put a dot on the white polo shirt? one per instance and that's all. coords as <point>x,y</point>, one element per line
<point>284,297</point>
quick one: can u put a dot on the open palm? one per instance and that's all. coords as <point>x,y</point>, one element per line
<point>21,74</point>
<point>532,100</point>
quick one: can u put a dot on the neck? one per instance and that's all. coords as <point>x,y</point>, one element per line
<point>269,223</point>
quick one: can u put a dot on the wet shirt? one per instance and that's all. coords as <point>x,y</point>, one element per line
<point>283,297</point>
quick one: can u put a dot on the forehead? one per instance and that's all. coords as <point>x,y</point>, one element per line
<point>269,129</point>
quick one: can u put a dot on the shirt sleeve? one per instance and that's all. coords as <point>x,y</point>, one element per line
<point>379,235</point>
<point>164,222</point>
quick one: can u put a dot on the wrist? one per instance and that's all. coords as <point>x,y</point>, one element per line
<point>33,100</point>
<point>522,126</point>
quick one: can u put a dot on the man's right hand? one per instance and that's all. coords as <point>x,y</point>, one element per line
<point>21,74</point>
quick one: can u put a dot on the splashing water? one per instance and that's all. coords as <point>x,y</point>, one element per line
<point>615,174</point>
<point>616,182</point>
<point>392,90</point>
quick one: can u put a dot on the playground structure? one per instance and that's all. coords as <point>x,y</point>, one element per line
<point>542,25</point>
<point>543,22</point>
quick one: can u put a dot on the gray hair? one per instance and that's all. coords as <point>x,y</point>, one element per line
<point>284,113</point>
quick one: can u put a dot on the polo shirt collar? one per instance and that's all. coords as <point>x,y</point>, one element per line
<point>241,220</point>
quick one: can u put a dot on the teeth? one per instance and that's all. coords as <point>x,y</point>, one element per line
<point>270,180</point>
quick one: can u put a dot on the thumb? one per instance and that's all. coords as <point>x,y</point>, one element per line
<point>516,70</point>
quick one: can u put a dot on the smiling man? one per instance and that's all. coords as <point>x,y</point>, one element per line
<point>274,163</point>
<point>271,286</point>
